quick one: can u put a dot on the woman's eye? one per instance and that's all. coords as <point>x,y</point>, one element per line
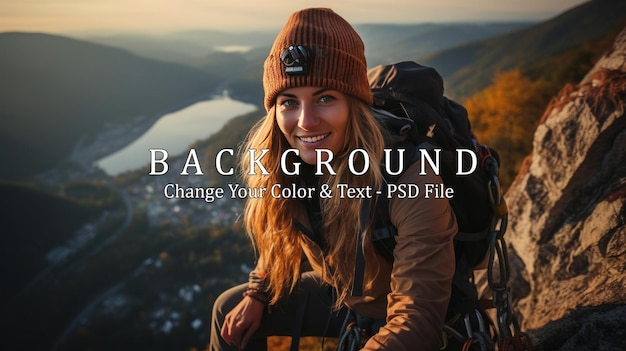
<point>288,103</point>
<point>327,98</point>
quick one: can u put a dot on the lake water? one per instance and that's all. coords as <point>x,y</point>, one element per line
<point>174,132</point>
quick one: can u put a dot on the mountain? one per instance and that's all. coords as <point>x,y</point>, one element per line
<point>241,70</point>
<point>35,221</point>
<point>142,276</point>
<point>567,215</point>
<point>54,90</point>
<point>187,47</point>
<point>467,55</point>
<point>470,67</point>
<point>383,42</point>
<point>117,282</point>
<point>388,43</point>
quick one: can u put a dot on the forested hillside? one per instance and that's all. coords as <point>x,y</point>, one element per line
<point>35,221</point>
<point>56,89</point>
<point>384,43</point>
<point>505,114</point>
<point>471,67</point>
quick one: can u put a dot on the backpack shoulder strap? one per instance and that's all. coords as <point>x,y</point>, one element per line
<point>313,212</point>
<point>384,231</point>
<point>378,214</point>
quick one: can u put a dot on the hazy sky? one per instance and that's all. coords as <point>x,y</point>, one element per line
<point>160,16</point>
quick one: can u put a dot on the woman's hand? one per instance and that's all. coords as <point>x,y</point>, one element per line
<point>242,322</point>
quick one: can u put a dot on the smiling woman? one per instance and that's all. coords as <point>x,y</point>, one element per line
<point>317,98</point>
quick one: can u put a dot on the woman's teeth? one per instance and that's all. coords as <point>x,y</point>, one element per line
<point>313,139</point>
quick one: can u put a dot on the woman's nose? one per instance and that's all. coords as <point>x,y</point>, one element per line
<point>308,117</point>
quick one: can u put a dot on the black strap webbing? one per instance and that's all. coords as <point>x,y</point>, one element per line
<point>303,296</point>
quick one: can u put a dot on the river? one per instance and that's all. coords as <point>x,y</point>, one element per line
<point>174,132</point>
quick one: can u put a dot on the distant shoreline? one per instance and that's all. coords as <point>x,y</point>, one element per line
<point>113,138</point>
<point>175,132</point>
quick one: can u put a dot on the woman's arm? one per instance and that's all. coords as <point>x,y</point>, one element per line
<point>243,320</point>
<point>256,278</point>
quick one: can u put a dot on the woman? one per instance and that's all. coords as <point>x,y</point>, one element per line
<point>317,97</point>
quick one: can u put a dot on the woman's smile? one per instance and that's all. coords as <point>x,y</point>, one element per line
<point>313,139</point>
<point>313,118</point>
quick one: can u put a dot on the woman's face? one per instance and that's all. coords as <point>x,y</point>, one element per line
<point>313,118</point>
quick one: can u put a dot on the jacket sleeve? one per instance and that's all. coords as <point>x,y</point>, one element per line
<point>256,278</point>
<point>422,270</point>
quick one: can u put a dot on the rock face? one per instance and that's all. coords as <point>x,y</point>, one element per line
<point>567,231</point>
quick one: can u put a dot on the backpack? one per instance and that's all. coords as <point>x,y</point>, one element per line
<point>410,106</point>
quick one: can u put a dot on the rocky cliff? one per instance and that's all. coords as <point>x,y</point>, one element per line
<point>567,232</point>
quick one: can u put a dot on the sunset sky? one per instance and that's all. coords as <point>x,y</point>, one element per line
<point>162,16</point>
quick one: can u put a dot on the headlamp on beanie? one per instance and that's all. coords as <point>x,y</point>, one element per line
<point>316,48</point>
<point>296,59</point>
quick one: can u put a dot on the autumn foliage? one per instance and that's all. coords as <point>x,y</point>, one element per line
<point>505,115</point>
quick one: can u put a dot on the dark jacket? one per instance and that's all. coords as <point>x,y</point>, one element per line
<point>413,293</point>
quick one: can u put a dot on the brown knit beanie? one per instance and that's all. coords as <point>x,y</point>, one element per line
<point>316,47</point>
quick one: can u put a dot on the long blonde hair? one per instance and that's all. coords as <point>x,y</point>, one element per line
<point>270,221</point>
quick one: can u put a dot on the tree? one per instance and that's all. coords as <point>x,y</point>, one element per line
<point>505,116</point>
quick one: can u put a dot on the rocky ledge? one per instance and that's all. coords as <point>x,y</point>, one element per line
<point>567,232</point>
